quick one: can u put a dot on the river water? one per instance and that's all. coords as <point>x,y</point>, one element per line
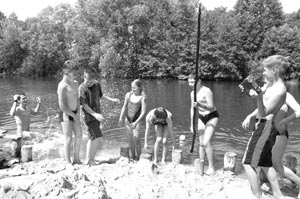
<point>174,95</point>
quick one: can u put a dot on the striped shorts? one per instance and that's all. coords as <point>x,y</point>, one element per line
<point>258,152</point>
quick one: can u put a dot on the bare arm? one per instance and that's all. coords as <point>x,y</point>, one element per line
<point>37,108</point>
<point>294,105</point>
<point>170,125</point>
<point>105,97</point>
<point>124,107</point>
<point>13,108</point>
<point>192,111</point>
<point>148,123</point>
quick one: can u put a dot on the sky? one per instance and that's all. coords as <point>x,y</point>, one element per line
<point>30,8</point>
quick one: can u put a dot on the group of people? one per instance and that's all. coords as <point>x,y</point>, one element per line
<point>264,151</point>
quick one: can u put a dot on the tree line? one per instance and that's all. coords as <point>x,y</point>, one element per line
<point>150,38</point>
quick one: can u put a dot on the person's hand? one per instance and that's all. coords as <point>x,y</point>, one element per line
<point>242,88</point>
<point>38,100</point>
<point>133,125</point>
<point>246,122</point>
<point>145,146</point>
<point>191,129</point>
<point>281,126</point>
<point>16,97</point>
<point>98,117</point>
<point>116,100</point>
<point>195,104</point>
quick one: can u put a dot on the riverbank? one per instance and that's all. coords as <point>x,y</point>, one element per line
<point>117,178</point>
<point>120,179</point>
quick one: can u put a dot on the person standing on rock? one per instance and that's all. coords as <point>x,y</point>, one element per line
<point>134,109</point>
<point>68,100</point>
<point>208,118</point>
<point>161,119</point>
<point>90,94</point>
<point>22,116</point>
<point>258,153</point>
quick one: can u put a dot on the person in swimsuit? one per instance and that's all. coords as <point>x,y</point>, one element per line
<point>134,109</point>
<point>281,120</point>
<point>208,118</point>
<point>161,119</point>
<point>258,153</point>
<point>90,94</point>
<point>22,116</point>
<point>68,101</point>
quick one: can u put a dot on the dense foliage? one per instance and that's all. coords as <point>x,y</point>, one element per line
<point>150,38</point>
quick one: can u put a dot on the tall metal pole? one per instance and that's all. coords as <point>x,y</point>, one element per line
<point>196,80</point>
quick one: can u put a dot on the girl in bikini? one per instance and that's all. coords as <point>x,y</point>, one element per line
<point>133,110</point>
<point>208,118</point>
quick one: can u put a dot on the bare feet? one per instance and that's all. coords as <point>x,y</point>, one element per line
<point>77,162</point>
<point>210,171</point>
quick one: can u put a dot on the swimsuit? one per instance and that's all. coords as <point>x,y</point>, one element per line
<point>71,119</point>
<point>259,148</point>
<point>133,110</point>
<point>285,133</point>
<point>206,118</point>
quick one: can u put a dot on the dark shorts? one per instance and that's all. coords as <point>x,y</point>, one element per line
<point>259,148</point>
<point>94,130</point>
<point>69,118</point>
<point>206,118</point>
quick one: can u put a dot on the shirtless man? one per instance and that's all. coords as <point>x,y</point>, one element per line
<point>208,118</point>
<point>162,120</point>
<point>68,100</point>
<point>258,153</point>
<point>22,116</point>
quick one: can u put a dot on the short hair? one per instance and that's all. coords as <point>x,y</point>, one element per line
<point>278,61</point>
<point>69,66</point>
<point>160,113</point>
<point>91,71</point>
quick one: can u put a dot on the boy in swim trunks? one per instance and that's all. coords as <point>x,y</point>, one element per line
<point>22,116</point>
<point>258,154</point>
<point>161,119</point>
<point>208,118</point>
<point>68,100</point>
<point>90,94</point>
<point>134,110</point>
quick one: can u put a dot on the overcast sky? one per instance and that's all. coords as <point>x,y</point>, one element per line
<point>30,8</point>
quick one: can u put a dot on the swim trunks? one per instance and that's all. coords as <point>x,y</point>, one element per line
<point>206,118</point>
<point>259,148</point>
<point>160,117</point>
<point>94,130</point>
<point>133,110</point>
<point>70,118</point>
<point>285,133</point>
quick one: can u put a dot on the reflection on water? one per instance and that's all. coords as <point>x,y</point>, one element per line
<point>174,95</point>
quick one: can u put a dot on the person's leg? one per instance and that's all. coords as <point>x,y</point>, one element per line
<point>130,139</point>
<point>165,143</point>
<point>253,180</point>
<point>77,143</point>
<point>88,152</point>
<point>201,128</point>
<point>277,155</point>
<point>67,130</point>
<point>208,134</point>
<point>136,140</point>
<point>158,131</point>
<point>272,177</point>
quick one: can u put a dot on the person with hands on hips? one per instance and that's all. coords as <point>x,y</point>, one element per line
<point>90,94</point>
<point>162,120</point>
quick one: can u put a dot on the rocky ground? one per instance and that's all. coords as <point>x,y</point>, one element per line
<point>117,178</point>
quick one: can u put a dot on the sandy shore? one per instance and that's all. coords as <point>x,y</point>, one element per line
<point>117,178</point>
